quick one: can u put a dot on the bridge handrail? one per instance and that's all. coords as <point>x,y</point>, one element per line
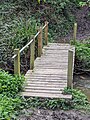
<point>31,40</point>
<point>17,52</point>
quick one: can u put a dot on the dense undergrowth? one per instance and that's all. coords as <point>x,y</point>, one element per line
<point>10,100</point>
<point>79,101</point>
<point>82,63</point>
<point>16,31</point>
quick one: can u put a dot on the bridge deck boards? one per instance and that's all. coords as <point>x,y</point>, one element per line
<point>49,77</point>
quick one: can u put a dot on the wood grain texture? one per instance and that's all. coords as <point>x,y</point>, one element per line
<point>49,76</point>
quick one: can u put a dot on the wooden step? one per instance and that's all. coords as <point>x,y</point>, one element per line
<point>46,85</point>
<point>43,91</point>
<point>45,88</point>
<point>46,95</point>
<point>33,81</point>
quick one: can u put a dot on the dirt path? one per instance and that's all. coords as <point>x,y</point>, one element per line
<point>41,114</point>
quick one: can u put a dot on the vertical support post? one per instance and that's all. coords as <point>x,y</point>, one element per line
<point>46,33</point>
<point>40,42</point>
<point>17,62</point>
<point>75,32</point>
<point>32,51</point>
<point>70,69</point>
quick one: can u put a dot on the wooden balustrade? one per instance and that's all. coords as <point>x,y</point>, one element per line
<point>17,52</point>
<point>40,43</point>
<point>46,33</point>
<point>75,32</point>
<point>70,69</point>
<point>17,62</point>
<point>32,53</point>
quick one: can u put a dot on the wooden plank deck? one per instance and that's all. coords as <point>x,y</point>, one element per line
<point>49,76</point>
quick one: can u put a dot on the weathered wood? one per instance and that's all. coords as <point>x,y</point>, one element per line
<point>46,33</point>
<point>32,52</point>
<point>44,88</point>
<point>49,79</point>
<point>70,69</point>
<point>47,95</point>
<point>49,76</point>
<point>44,82</point>
<point>75,32</point>
<point>47,63</point>
<point>43,91</point>
<point>17,62</point>
<point>40,43</point>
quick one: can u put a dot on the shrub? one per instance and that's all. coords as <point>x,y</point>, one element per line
<point>10,101</point>
<point>83,53</point>
<point>9,107</point>
<point>10,85</point>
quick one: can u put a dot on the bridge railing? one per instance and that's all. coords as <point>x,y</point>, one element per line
<point>17,52</point>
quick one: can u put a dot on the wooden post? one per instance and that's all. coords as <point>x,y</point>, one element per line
<point>46,33</point>
<point>32,51</point>
<point>75,32</point>
<point>70,69</point>
<point>17,62</point>
<point>40,43</point>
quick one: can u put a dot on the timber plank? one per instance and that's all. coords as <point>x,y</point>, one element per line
<point>43,91</point>
<point>46,85</point>
<point>45,88</point>
<point>46,81</point>
<point>47,95</point>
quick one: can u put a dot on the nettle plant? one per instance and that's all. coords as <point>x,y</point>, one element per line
<point>40,1</point>
<point>81,3</point>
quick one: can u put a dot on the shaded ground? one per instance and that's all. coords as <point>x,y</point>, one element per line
<point>41,114</point>
<point>82,82</point>
<point>83,21</point>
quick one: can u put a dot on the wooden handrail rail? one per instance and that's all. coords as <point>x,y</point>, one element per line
<point>32,43</point>
<point>46,23</point>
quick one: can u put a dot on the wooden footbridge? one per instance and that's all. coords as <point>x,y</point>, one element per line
<point>52,70</point>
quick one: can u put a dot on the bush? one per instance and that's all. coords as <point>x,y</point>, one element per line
<point>10,85</point>
<point>10,101</point>
<point>9,107</point>
<point>83,54</point>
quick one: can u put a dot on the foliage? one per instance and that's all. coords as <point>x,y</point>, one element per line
<point>83,53</point>
<point>81,3</point>
<point>10,85</point>
<point>78,99</point>
<point>40,1</point>
<point>59,16</point>
<point>58,13</point>
<point>10,101</point>
<point>15,32</point>
<point>9,107</point>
